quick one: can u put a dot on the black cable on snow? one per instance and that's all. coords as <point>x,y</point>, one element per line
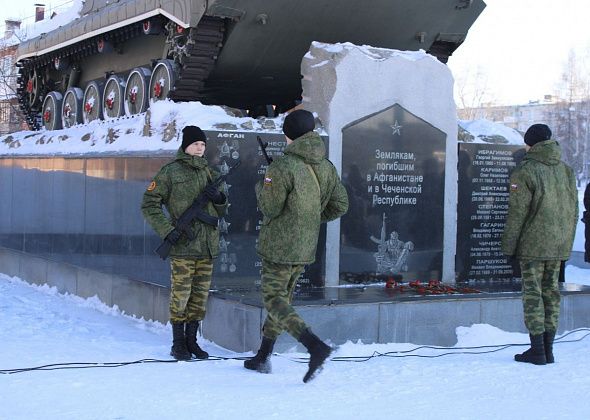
<point>355,359</point>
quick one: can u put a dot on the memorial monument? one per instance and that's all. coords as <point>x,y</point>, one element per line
<point>392,126</point>
<point>389,121</point>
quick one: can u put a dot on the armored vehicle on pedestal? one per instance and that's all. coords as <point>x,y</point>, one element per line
<point>121,54</point>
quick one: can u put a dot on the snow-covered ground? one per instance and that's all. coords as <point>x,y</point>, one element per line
<point>38,326</point>
<point>577,275</point>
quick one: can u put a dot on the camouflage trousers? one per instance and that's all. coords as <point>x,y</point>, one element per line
<point>540,295</point>
<point>190,283</point>
<point>278,284</point>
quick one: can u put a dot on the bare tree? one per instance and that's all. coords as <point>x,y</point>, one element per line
<point>472,95</point>
<point>572,114</point>
<point>11,117</point>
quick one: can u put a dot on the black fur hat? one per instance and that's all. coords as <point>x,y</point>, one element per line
<point>192,134</point>
<point>298,123</point>
<point>537,133</point>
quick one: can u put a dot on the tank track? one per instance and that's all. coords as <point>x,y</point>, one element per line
<point>195,60</point>
<point>31,117</point>
<point>198,59</point>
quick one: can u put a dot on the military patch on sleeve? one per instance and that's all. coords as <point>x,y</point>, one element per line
<point>267,181</point>
<point>152,186</point>
<point>513,187</point>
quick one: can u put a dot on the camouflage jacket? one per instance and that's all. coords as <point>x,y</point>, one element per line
<point>543,207</point>
<point>294,202</point>
<point>176,186</point>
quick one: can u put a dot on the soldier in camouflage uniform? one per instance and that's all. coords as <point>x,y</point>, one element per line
<point>539,232</point>
<point>176,186</point>
<point>300,191</point>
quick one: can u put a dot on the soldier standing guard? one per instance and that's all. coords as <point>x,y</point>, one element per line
<point>300,191</point>
<point>176,186</point>
<point>539,232</point>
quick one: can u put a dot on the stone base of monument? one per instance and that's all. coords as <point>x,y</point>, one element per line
<point>369,313</point>
<point>375,314</point>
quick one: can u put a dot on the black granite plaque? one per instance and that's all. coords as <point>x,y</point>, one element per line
<point>393,166</point>
<point>484,175</point>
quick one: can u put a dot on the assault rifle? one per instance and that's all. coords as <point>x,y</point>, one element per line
<point>184,223</point>
<point>263,145</point>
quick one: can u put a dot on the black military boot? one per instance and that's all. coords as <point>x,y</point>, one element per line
<point>318,353</point>
<point>548,337</point>
<point>261,362</point>
<point>179,350</point>
<point>534,355</point>
<point>191,340</point>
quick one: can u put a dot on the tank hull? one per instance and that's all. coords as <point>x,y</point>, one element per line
<point>240,53</point>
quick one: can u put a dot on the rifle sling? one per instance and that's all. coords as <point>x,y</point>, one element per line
<point>315,178</point>
<point>317,182</point>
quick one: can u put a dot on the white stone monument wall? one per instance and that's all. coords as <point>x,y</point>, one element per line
<point>344,83</point>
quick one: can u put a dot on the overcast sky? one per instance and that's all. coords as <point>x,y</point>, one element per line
<point>518,48</point>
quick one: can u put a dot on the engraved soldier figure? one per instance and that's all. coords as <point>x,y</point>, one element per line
<point>176,186</point>
<point>383,263</point>
<point>392,253</point>
<point>401,263</point>
<point>300,191</point>
<point>394,247</point>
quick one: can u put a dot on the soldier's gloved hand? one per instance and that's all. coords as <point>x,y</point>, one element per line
<point>213,194</point>
<point>173,236</point>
